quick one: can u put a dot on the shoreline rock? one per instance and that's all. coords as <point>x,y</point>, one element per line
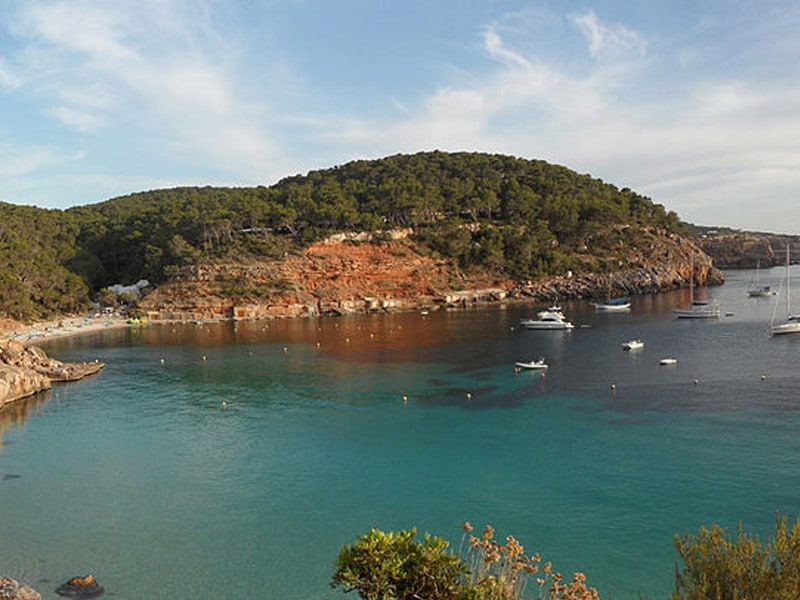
<point>11,589</point>
<point>27,370</point>
<point>80,587</point>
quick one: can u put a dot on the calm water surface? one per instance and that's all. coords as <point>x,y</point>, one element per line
<point>231,462</point>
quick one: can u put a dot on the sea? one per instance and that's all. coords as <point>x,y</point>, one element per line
<point>235,460</point>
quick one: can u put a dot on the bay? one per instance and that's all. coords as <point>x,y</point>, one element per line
<point>223,460</point>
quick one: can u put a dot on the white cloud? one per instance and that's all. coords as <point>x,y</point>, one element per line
<point>7,78</point>
<point>152,66</point>
<point>17,162</point>
<point>609,42</point>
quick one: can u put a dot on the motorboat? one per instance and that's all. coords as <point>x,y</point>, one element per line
<point>668,361</point>
<point>550,319</point>
<point>633,345</point>
<point>536,364</point>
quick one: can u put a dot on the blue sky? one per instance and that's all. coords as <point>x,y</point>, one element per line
<point>695,104</point>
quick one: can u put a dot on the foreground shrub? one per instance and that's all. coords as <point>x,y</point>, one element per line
<point>716,567</point>
<point>393,566</point>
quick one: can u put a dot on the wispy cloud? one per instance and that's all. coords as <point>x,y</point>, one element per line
<point>16,162</point>
<point>142,63</point>
<point>608,41</point>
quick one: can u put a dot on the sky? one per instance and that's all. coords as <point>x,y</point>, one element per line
<point>692,103</point>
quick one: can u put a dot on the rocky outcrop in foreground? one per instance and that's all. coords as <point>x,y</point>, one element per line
<point>11,589</point>
<point>25,371</point>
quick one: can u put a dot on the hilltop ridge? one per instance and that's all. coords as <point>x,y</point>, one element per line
<point>471,221</point>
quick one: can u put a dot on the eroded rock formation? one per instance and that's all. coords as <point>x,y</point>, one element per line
<point>341,277</point>
<point>11,589</point>
<point>27,370</point>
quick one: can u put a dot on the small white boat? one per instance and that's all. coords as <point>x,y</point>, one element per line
<point>633,345</point>
<point>698,309</point>
<point>792,322</point>
<point>668,361</point>
<point>537,363</point>
<point>755,289</point>
<point>614,305</point>
<point>550,319</point>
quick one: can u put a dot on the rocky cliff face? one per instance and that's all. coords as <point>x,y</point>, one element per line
<point>342,276</point>
<point>746,250</point>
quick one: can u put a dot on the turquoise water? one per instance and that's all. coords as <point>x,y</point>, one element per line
<point>230,462</point>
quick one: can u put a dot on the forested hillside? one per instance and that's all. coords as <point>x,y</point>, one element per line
<point>519,218</point>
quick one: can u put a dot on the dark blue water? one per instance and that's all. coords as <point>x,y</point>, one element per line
<point>223,461</point>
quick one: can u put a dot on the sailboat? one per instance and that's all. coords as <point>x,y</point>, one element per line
<point>792,323</point>
<point>698,309</point>
<point>620,304</point>
<point>756,290</point>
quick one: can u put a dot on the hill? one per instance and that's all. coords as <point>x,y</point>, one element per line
<point>468,221</point>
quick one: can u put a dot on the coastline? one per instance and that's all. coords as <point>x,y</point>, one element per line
<point>66,326</point>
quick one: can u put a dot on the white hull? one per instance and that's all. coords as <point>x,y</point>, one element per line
<point>613,307</point>
<point>633,345</point>
<point>792,323</point>
<point>550,320</point>
<point>534,365</point>
<point>547,325</point>
<point>786,328</point>
<point>698,312</point>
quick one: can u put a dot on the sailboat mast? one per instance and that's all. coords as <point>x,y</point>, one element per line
<point>788,285</point>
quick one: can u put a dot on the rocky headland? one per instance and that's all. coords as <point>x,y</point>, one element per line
<point>27,370</point>
<point>747,250</point>
<point>344,275</point>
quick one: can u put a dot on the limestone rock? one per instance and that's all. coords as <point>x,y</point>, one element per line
<point>17,382</point>
<point>80,587</point>
<point>25,371</point>
<point>13,590</point>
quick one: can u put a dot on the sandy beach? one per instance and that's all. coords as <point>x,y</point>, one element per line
<point>65,326</point>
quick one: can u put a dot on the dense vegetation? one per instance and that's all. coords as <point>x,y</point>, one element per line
<point>35,246</point>
<point>395,566</point>
<point>715,566</point>
<point>518,217</point>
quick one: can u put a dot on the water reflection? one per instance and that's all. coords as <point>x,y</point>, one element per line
<point>15,414</point>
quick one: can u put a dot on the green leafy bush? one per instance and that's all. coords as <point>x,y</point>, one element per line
<point>394,566</point>
<point>717,567</point>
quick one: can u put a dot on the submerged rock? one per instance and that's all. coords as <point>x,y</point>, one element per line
<point>80,587</point>
<point>13,590</point>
